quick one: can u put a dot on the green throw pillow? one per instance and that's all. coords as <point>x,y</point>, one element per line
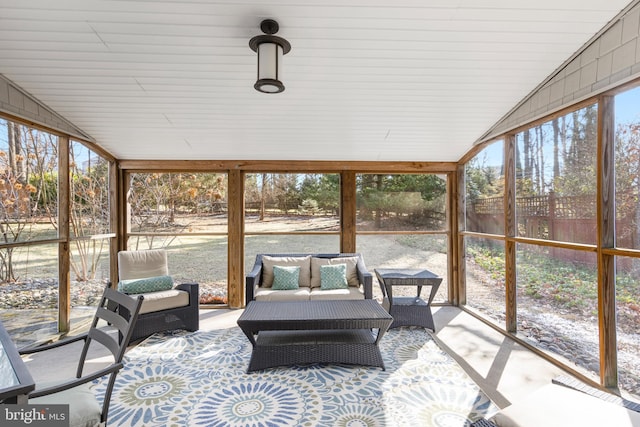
<point>148,284</point>
<point>333,276</point>
<point>285,278</point>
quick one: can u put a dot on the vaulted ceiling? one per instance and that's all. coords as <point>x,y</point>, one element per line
<point>413,80</point>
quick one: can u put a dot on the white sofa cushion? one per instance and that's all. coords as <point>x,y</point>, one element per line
<point>268,294</point>
<point>304,278</point>
<point>352,272</point>
<point>351,292</point>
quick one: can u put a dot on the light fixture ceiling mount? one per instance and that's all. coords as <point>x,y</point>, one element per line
<point>270,49</point>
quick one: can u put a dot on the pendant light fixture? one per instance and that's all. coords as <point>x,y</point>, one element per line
<point>270,51</point>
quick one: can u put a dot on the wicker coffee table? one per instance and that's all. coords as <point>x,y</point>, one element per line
<point>295,333</point>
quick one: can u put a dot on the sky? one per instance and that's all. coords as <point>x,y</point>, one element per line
<point>627,110</point>
<point>627,106</point>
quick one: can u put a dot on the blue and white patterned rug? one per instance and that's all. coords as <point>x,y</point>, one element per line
<point>200,379</point>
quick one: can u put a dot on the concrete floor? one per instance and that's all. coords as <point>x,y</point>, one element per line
<point>503,369</point>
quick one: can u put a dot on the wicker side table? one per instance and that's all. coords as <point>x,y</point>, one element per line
<point>408,311</point>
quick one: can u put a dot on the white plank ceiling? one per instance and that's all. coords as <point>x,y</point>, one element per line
<point>413,80</point>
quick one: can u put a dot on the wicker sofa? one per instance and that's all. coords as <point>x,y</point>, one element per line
<point>259,281</point>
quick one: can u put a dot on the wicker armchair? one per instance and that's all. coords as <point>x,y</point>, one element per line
<point>164,310</point>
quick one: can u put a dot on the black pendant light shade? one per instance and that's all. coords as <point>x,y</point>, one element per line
<point>270,51</point>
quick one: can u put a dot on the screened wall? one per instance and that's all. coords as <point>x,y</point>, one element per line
<point>559,234</point>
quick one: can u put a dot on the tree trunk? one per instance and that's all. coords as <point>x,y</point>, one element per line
<point>16,155</point>
<point>263,196</point>
<point>378,208</point>
<point>556,150</point>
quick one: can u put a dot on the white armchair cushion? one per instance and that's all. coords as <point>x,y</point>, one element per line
<point>84,410</point>
<point>137,265</point>
<point>142,264</point>
<point>164,300</point>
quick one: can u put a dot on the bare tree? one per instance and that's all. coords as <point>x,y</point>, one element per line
<point>89,215</point>
<point>28,189</point>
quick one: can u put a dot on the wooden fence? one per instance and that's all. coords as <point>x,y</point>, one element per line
<point>566,219</point>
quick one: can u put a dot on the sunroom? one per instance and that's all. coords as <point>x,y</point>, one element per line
<point>496,145</point>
